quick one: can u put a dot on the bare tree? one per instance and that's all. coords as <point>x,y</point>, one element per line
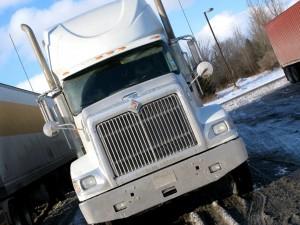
<point>275,7</point>
<point>246,54</point>
<point>261,12</point>
<point>205,49</point>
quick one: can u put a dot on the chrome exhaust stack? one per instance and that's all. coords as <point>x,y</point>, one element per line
<point>165,20</point>
<point>52,81</point>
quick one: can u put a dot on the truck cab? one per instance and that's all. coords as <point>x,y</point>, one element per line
<point>130,96</point>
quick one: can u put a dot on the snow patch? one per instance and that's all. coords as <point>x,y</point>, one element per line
<point>254,95</point>
<point>247,85</point>
<point>281,171</point>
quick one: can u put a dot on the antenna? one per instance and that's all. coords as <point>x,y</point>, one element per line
<point>186,18</point>
<point>23,67</point>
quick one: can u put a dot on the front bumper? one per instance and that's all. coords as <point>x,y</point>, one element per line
<point>166,184</point>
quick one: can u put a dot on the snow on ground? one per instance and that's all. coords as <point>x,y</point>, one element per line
<point>254,95</point>
<point>247,85</point>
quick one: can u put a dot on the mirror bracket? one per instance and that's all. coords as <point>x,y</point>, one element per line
<point>51,128</point>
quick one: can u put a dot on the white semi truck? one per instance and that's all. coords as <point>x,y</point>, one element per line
<point>122,81</point>
<point>30,163</point>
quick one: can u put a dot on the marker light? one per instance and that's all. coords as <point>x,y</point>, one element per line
<point>120,206</point>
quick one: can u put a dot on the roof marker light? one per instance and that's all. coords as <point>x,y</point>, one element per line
<point>109,53</point>
<point>155,37</point>
<point>66,73</point>
<point>120,49</point>
<point>99,57</point>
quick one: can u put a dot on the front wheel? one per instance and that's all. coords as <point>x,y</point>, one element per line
<point>242,180</point>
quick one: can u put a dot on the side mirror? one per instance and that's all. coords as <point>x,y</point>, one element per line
<point>205,70</point>
<point>51,129</point>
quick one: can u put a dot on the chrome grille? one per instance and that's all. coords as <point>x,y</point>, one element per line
<point>134,140</point>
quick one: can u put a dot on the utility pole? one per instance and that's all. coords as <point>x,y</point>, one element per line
<point>219,47</point>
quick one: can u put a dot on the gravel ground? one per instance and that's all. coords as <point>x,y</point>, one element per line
<point>270,127</point>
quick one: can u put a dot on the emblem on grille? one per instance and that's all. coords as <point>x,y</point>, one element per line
<point>135,106</point>
<point>130,96</point>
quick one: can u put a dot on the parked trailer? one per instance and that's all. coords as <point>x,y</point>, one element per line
<point>284,35</point>
<point>29,160</point>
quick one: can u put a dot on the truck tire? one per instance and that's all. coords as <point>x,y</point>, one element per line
<point>295,72</point>
<point>242,180</point>
<point>289,75</point>
<point>292,73</point>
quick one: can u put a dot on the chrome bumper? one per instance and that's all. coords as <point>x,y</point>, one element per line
<point>166,184</point>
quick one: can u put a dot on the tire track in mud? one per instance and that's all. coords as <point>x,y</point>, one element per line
<point>230,211</point>
<point>256,211</point>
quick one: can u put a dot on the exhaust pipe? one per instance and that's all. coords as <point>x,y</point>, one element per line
<point>165,19</point>
<point>40,57</point>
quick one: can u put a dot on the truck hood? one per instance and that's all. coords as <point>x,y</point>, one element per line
<point>120,101</point>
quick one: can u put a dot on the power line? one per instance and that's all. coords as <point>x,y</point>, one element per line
<point>23,67</point>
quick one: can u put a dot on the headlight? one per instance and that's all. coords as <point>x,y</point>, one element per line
<point>220,128</point>
<point>90,186</point>
<point>88,182</point>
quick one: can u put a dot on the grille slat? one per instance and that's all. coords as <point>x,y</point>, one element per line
<point>133,161</point>
<point>177,126</point>
<point>176,132</point>
<point>106,147</point>
<point>129,157</point>
<point>134,140</point>
<point>117,144</point>
<point>173,126</point>
<point>174,142</point>
<point>137,149</point>
<point>183,123</point>
<point>145,144</point>
<point>156,131</point>
<point>164,127</point>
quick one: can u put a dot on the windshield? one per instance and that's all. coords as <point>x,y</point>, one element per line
<point>106,78</point>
